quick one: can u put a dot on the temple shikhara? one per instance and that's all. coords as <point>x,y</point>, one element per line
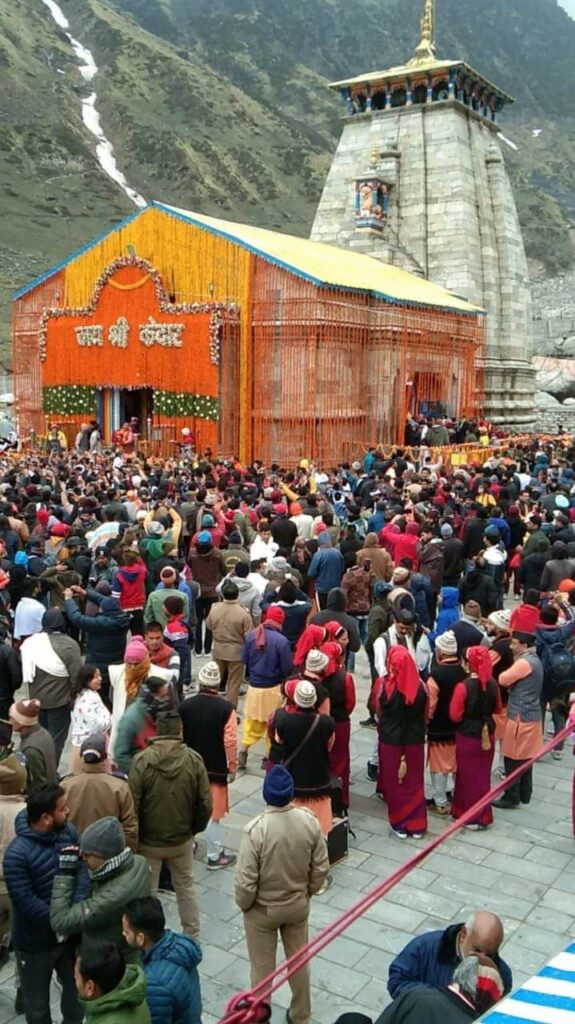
<point>419,181</point>
<point>411,296</point>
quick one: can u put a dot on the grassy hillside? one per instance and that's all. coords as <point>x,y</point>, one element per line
<point>222,106</point>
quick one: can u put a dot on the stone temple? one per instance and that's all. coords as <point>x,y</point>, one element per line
<point>418,180</point>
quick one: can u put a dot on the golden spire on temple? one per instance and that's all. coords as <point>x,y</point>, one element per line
<point>425,50</point>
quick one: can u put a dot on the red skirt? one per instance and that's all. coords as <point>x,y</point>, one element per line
<point>473,779</point>
<point>406,808</point>
<point>339,758</point>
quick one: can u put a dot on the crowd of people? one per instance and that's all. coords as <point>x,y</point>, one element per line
<point>165,619</point>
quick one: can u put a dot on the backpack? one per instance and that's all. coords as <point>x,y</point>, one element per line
<point>558,666</point>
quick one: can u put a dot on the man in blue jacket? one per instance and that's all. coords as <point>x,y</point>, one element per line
<point>431,959</point>
<point>170,962</point>
<point>326,569</point>
<point>30,865</point>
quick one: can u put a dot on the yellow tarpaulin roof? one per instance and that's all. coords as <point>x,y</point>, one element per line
<point>328,265</point>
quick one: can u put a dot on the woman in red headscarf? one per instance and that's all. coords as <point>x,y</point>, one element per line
<point>312,636</point>
<point>472,706</point>
<point>267,656</point>
<point>402,718</point>
<point>341,689</point>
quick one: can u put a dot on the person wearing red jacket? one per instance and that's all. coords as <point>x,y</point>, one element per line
<point>405,545</point>
<point>527,616</point>
<point>129,587</point>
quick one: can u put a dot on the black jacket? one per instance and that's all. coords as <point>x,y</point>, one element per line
<point>105,634</point>
<point>421,1003</point>
<point>10,677</point>
<point>334,612</point>
<point>473,534</point>
<point>478,586</point>
<point>453,560</point>
<point>531,569</point>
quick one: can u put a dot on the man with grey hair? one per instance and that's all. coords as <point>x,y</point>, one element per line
<point>431,959</point>
<point>475,988</point>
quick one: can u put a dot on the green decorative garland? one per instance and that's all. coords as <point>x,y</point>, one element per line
<point>181,403</point>
<point>69,399</point>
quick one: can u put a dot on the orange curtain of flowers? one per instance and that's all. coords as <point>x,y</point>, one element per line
<point>328,365</point>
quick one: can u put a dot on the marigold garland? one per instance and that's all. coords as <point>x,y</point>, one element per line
<point>217,309</point>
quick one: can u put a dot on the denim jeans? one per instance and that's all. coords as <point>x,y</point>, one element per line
<point>35,971</point>
<point>57,722</point>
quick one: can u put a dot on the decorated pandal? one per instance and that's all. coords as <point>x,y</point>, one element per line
<point>262,344</point>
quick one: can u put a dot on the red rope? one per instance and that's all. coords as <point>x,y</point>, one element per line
<point>249,1007</point>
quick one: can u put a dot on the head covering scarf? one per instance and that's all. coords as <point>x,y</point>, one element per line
<point>272,617</point>
<point>336,631</point>
<point>480,664</point>
<point>334,653</point>
<point>402,675</point>
<point>312,636</point>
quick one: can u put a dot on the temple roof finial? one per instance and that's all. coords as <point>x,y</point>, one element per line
<point>425,49</point>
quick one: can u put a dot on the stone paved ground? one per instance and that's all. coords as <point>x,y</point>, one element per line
<point>523,868</point>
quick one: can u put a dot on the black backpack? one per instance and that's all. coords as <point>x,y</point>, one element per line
<point>558,666</point>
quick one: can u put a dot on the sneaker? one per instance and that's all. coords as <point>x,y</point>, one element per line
<point>416,835</point>
<point>225,860</point>
<point>443,811</point>
<point>504,804</point>
<point>475,828</point>
<point>400,833</point>
<point>242,760</point>
<point>368,723</point>
<point>557,755</point>
<point>372,771</point>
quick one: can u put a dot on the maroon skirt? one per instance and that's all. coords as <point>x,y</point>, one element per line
<point>406,808</point>
<point>473,778</point>
<point>339,758</point>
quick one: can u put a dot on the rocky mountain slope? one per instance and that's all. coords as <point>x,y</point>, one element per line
<point>222,106</point>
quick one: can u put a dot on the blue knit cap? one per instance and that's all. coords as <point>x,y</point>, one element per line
<point>204,537</point>
<point>278,786</point>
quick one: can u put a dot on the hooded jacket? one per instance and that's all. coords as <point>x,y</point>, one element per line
<point>125,1004</point>
<point>105,633</point>
<point>170,966</point>
<point>207,568</point>
<point>431,562</point>
<point>171,791</point>
<point>404,545</point>
<point>380,561</point>
<point>326,569</point>
<point>448,613</point>
<point>30,866</point>
<point>478,586</point>
<point>129,586</point>
<point>335,612</point>
<point>420,588</point>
